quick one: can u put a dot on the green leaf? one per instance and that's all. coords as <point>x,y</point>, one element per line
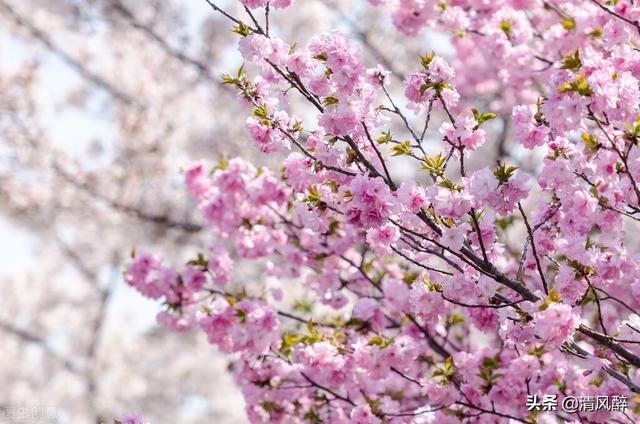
<point>568,23</point>
<point>297,127</point>
<point>410,277</point>
<point>228,79</point>
<point>380,341</point>
<point>261,112</point>
<point>333,227</point>
<point>242,29</point>
<point>303,306</point>
<point>434,164</point>
<point>313,195</point>
<point>447,371</point>
<point>505,26</point>
<point>591,142</point>
<point>581,269</point>
<point>425,60</point>
<point>447,183</point>
<point>448,363</point>
<point>537,351</point>
<point>310,326</point>
<point>572,62</point>
<point>504,173</point>
<point>313,417</point>
<point>539,117</point>
<point>437,86</point>
<point>580,86</point>
<point>505,222</point>
<point>321,57</point>
<point>385,137</point>
<point>403,148</point>
<point>330,100</point>
<point>552,297</point>
<point>424,87</point>
<point>199,262</point>
<point>455,319</point>
<point>270,406</point>
<point>241,314</point>
<point>482,117</point>
<point>597,32</point>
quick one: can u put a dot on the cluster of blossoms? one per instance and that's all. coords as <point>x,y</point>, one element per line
<point>130,418</point>
<point>417,305</point>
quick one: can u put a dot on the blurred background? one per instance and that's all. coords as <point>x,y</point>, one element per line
<point>102,105</point>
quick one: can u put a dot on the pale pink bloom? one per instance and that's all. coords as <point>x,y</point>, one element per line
<point>132,418</point>
<point>440,70</point>
<point>281,4</point>
<point>426,303</point>
<point>482,185</point>
<point>555,324</point>
<point>380,239</point>
<point>176,323</point>
<point>378,76</point>
<point>193,278</point>
<point>369,310</point>
<point>197,181</point>
<point>220,265</point>
<point>412,196</point>
<point>254,47</point>
<point>362,415</point>
<point>453,237</point>
<point>254,4</point>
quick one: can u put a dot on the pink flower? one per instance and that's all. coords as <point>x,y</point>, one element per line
<point>362,415</point>
<point>193,278</point>
<point>370,311</point>
<point>254,4</point>
<point>371,200</point>
<point>615,33</point>
<point>300,63</point>
<point>198,184</point>
<point>482,185</point>
<point>396,293</point>
<point>485,319</point>
<point>132,418</point>
<point>410,16</point>
<point>527,131</point>
<point>569,287</point>
<point>465,132</point>
<point>265,138</point>
<point>411,196</point>
<point>413,85</point>
<point>378,76</point>
<point>510,193</point>
<point>555,324</point>
<point>339,119</point>
<point>281,4</point>
<point>440,395</point>
<point>426,303</point>
<point>454,237</point>
<point>440,70</point>
<point>447,202</point>
<point>254,47</point>
<point>220,266</point>
<point>147,274</point>
<point>323,362</point>
<point>380,239</point>
<point>174,322</point>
